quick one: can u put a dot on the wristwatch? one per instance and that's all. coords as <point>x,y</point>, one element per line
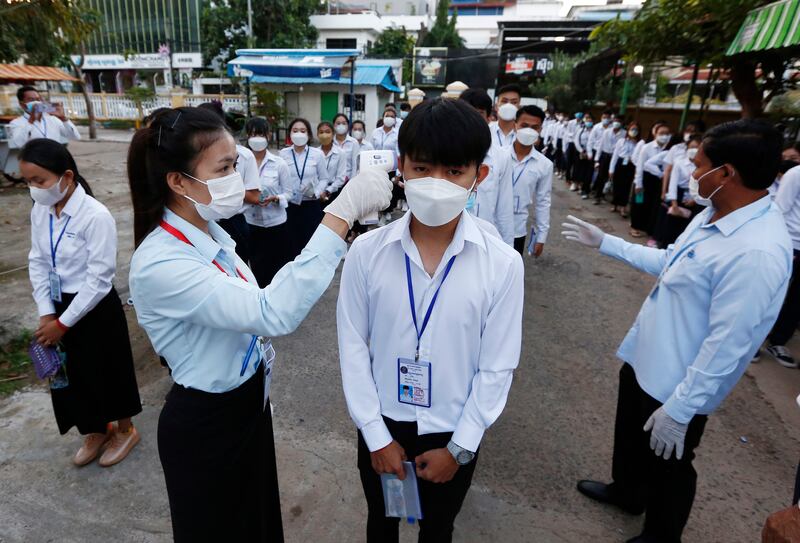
<point>461,455</point>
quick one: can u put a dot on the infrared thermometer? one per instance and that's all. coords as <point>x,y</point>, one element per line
<point>382,160</point>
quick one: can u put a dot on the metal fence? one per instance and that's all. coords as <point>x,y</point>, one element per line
<point>115,106</point>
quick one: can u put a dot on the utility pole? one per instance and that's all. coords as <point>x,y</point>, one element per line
<point>250,41</point>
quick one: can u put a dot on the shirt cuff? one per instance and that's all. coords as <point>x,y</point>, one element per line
<point>541,236</point>
<point>468,436</point>
<point>46,307</point>
<point>611,245</point>
<point>283,200</point>
<point>68,318</point>
<point>376,435</point>
<point>678,410</point>
<point>326,243</point>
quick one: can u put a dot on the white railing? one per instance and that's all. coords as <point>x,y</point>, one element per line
<point>229,101</point>
<point>117,106</point>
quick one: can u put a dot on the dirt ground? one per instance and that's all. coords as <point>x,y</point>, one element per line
<point>556,429</point>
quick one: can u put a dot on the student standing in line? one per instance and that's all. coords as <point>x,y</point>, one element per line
<point>507,100</point>
<point>494,200</point>
<point>435,297</point>
<point>621,168</point>
<point>346,144</point>
<point>336,161</point>
<point>718,292</point>
<point>204,313</point>
<point>532,179</point>
<point>72,263</point>
<point>643,215</point>
<point>35,123</point>
<point>678,151</point>
<point>584,166</point>
<point>270,239</point>
<point>309,177</point>
<point>571,154</point>
<point>681,207</point>
<point>603,154</point>
<point>385,136</point>
<point>359,133</point>
<point>594,148</point>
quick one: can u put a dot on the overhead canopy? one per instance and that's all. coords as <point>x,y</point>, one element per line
<point>17,72</point>
<point>365,75</point>
<point>773,26</point>
<point>313,63</point>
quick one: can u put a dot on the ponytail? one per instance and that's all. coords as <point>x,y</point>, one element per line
<point>171,143</point>
<point>53,157</point>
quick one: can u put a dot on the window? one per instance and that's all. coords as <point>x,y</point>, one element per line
<point>358,106</point>
<point>341,43</point>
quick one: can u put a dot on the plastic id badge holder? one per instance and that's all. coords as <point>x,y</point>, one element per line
<point>414,382</point>
<point>401,498</point>
<point>268,358</point>
<point>55,286</point>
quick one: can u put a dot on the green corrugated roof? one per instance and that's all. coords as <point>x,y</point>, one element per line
<point>772,26</point>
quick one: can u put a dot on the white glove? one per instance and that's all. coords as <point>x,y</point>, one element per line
<point>368,192</point>
<point>582,232</point>
<point>667,434</point>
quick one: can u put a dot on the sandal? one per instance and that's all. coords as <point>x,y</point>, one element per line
<point>636,233</point>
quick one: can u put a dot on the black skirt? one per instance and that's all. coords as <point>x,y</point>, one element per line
<point>102,382</point>
<point>623,177</point>
<point>218,456</point>
<point>303,221</point>
<point>270,249</point>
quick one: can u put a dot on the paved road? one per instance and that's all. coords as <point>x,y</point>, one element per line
<point>556,428</point>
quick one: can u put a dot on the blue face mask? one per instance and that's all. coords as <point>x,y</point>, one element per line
<point>471,201</point>
<point>579,116</point>
<point>588,124</point>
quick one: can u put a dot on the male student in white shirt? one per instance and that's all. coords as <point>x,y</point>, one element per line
<point>36,123</point>
<point>432,302</point>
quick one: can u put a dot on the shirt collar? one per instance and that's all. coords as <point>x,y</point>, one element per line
<point>74,203</point>
<point>731,222</point>
<point>533,154</point>
<point>204,243</point>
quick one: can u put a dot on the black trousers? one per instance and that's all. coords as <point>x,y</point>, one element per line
<point>440,502</point>
<point>643,215</point>
<point>570,158</point>
<point>302,221</point>
<point>270,249</point>
<point>789,316</point>
<point>584,172</point>
<point>519,244</point>
<point>602,175</point>
<point>623,177</point>
<point>239,230</point>
<point>666,488</point>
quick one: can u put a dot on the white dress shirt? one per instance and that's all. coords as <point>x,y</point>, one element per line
<point>21,131</point>
<point>349,147</point>
<point>581,140</point>
<point>86,258</point>
<point>610,138</point>
<point>595,139</point>
<point>648,151</point>
<point>247,166</point>
<point>363,145</point>
<point>675,152</point>
<point>499,139</point>
<point>382,140</point>
<point>788,201</point>
<point>472,340</point>
<point>202,320</point>
<point>311,179</point>
<point>532,178</point>
<point>274,180</point>
<point>494,200</point>
<point>682,170</point>
<point>637,151</point>
<point>655,164</point>
<point>336,164</point>
<point>719,290</point>
<point>623,149</point>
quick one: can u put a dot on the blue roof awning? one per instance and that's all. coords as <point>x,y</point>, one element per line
<point>365,75</point>
<point>322,63</point>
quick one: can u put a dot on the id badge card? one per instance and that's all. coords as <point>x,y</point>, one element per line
<point>414,382</point>
<point>626,161</point>
<point>267,359</point>
<point>55,287</point>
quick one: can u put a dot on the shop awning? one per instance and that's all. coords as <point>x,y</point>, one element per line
<point>773,26</point>
<point>365,75</point>
<point>18,72</point>
<point>312,63</point>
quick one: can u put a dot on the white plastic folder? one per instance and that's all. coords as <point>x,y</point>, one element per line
<point>402,497</point>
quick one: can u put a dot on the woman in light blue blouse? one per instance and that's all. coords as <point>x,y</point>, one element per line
<point>204,313</point>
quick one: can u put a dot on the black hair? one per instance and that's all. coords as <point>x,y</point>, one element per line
<point>653,128</point>
<point>751,146</point>
<point>22,90</point>
<point>343,116</point>
<point>171,143</point>
<point>257,125</point>
<point>325,123</point>
<point>608,111</point>
<point>695,137</point>
<point>405,106</point>
<point>301,120</point>
<point>359,121</point>
<point>444,131</point>
<point>787,165</point>
<point>477,98</point>
<point>387,110</point>
<point>53,157</point>
<point>389,104</point>
<point>235,126</point>
<point>698,124</point>
<point>511,87</point>
<point>149,117</point>
<point>634,124</point>
<point>534,111</point>
<point>794,145</point>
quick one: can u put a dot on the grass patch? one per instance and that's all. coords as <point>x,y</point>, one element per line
<point>16,369</point>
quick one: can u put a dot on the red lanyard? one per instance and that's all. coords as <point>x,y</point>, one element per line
<point>178,234</point>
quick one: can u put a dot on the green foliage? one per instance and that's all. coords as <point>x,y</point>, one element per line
<point>443,33</point>
<point>276,24</point>
<point>270,106</point>
<point>140,94</point>
<point>556,86</point>
<point>395,43</point>
<point>16,368</point>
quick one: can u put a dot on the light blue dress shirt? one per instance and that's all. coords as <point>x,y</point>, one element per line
<point>719,290</point>
<point>202,320</point>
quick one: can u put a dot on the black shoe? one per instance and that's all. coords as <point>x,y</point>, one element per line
<point>642,538</point>
<point>603,493</point>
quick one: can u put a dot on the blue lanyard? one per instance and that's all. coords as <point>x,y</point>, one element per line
<point>421,331</point>
<point>44,124</point>
<point>303,173</point>
<point>54,248</point>
<point>515,179</point>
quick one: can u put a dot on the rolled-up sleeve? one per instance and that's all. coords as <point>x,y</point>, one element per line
<point>499,357</point>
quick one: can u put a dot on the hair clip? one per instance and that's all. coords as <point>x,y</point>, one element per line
<point>159,137</point>
<point>176,119</point>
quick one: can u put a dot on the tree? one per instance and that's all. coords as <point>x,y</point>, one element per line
<point>276,24</point>
<point>394,43</point>
<point>443,33</point>
<point>556,86</point>
<point>699,32</point>
<point>50,32</point>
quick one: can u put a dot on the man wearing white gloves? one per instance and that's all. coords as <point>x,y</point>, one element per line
<point>718,292</point>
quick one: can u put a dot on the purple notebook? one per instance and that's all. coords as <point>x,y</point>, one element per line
<point>46,360</point>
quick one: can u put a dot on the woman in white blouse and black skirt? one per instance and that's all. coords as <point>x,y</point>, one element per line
<point>72,263</point>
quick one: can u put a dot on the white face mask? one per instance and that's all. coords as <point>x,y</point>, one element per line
<point>605,122</point>
<point>663,139</point>
<point>687,137</point>
<point>299,138</point>
<point>507,112</point>
<point>389,121</point>
<point>435,202</point>
<point>49,196</point>
<point>527,136</point>
<point>403,114</point>
<point>616,125</point>
<point>257,143</point>
<point>691,153</point>
<point>227,197</point>
<point>694,189</point>
<point>340,129</point>
<point>358,134</point>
